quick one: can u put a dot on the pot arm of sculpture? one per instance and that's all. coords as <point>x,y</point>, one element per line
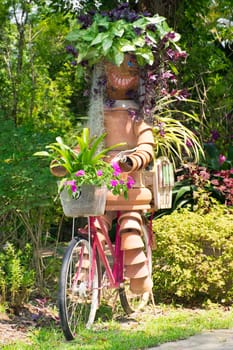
<point>143,154</point>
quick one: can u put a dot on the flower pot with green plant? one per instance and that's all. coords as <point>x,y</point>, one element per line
<point>85,171</point>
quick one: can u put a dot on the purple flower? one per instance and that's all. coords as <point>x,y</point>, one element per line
<point>132,113</point>
<point>117,169</point>
<point>130,182</point>
<point>189,143</point>
<point>99,172</point>
<point>221,159</point>
<point>138,31</point>
<point>72,50</point>
<point>114,183</point>
<point>80,173</point>
<point>168,75</point>
<point>214,135</point>
<point>72,184</point>
<point>204,175</point>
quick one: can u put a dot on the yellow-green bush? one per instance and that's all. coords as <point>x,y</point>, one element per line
<point>193,260</point>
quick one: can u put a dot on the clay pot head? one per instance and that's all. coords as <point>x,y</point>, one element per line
<point>122,80</point>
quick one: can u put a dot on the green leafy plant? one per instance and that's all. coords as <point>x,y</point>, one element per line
<point>193,259</point>
<point>173,138</point>
<point>16,279</point>
<point>108,35</point>
<point>85,165</point>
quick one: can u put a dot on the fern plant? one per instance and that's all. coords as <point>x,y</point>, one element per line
<point>16,279</point>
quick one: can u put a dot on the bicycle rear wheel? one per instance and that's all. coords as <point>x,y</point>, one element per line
<point>131,302</point>
<point>78,301</point>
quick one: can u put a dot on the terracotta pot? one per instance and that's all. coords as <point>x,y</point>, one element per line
<point>56,169</point>
<point>137,270</point>
<point>83,275</point>
<point>138,199</point>
<point>141,285</point>
<point>85,262</point>
<point>131,240</point>
<point>133,215</point>
<point>134,256</point>
<point>146,147</point>
<point>119,128</point>
<point>137,159</point>
<point>129,224</point>
<point>122,79</point>
<point>107,222</point>
<point>146,137</point>
<point>146,157</point>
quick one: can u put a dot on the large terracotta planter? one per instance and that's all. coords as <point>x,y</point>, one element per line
<point>138,198</point>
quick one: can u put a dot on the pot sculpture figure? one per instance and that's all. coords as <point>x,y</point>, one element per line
<point>122,127</point>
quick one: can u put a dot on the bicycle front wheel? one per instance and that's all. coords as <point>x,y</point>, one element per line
<point>131,302</point>
<point>78,296</point>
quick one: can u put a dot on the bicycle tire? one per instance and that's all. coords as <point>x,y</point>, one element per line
<point>77,303</point>
<point>131,302</point>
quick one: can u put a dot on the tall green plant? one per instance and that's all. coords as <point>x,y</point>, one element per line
<point>173,138</point>
<point>16,277</point>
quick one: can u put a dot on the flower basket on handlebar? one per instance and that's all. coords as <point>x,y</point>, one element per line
<point>89,200</point>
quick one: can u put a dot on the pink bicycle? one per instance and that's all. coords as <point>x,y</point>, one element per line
<point>89,268</point>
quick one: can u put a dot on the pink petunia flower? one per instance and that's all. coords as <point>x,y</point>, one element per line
<point>99,172</point>
<point>80,173</point>
<point>114,183</point>
<point>130,182</point>
<point>221,159</point>
<point>117,169</point>
<point>72,184</point>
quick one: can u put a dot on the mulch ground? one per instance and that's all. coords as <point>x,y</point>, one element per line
<point>15,325</point>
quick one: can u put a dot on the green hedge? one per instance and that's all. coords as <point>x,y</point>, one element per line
<point>193,261</point>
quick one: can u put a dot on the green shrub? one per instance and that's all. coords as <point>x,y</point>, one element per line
<point>193,261</point>
<point>16,278</point>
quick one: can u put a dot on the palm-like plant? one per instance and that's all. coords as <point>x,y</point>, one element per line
<point>173,138</point>
<point>85,165</point>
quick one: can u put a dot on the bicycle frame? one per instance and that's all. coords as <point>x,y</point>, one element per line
<point>115,273</point>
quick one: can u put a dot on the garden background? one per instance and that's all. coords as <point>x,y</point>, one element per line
<point>43,96</point>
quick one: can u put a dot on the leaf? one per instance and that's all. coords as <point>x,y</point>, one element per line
<point>42,154</point>
<point>100,37</point>
<point>107,43</point>
<point>128,47</point>
<point>74,35</point>
<point>118,57</point>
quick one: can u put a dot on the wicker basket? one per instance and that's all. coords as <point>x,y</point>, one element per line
<point>90,202</point>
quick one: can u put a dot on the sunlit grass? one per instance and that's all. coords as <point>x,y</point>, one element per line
<point>148,329</point>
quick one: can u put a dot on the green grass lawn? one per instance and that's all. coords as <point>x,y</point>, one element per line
<point>153,327</point>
